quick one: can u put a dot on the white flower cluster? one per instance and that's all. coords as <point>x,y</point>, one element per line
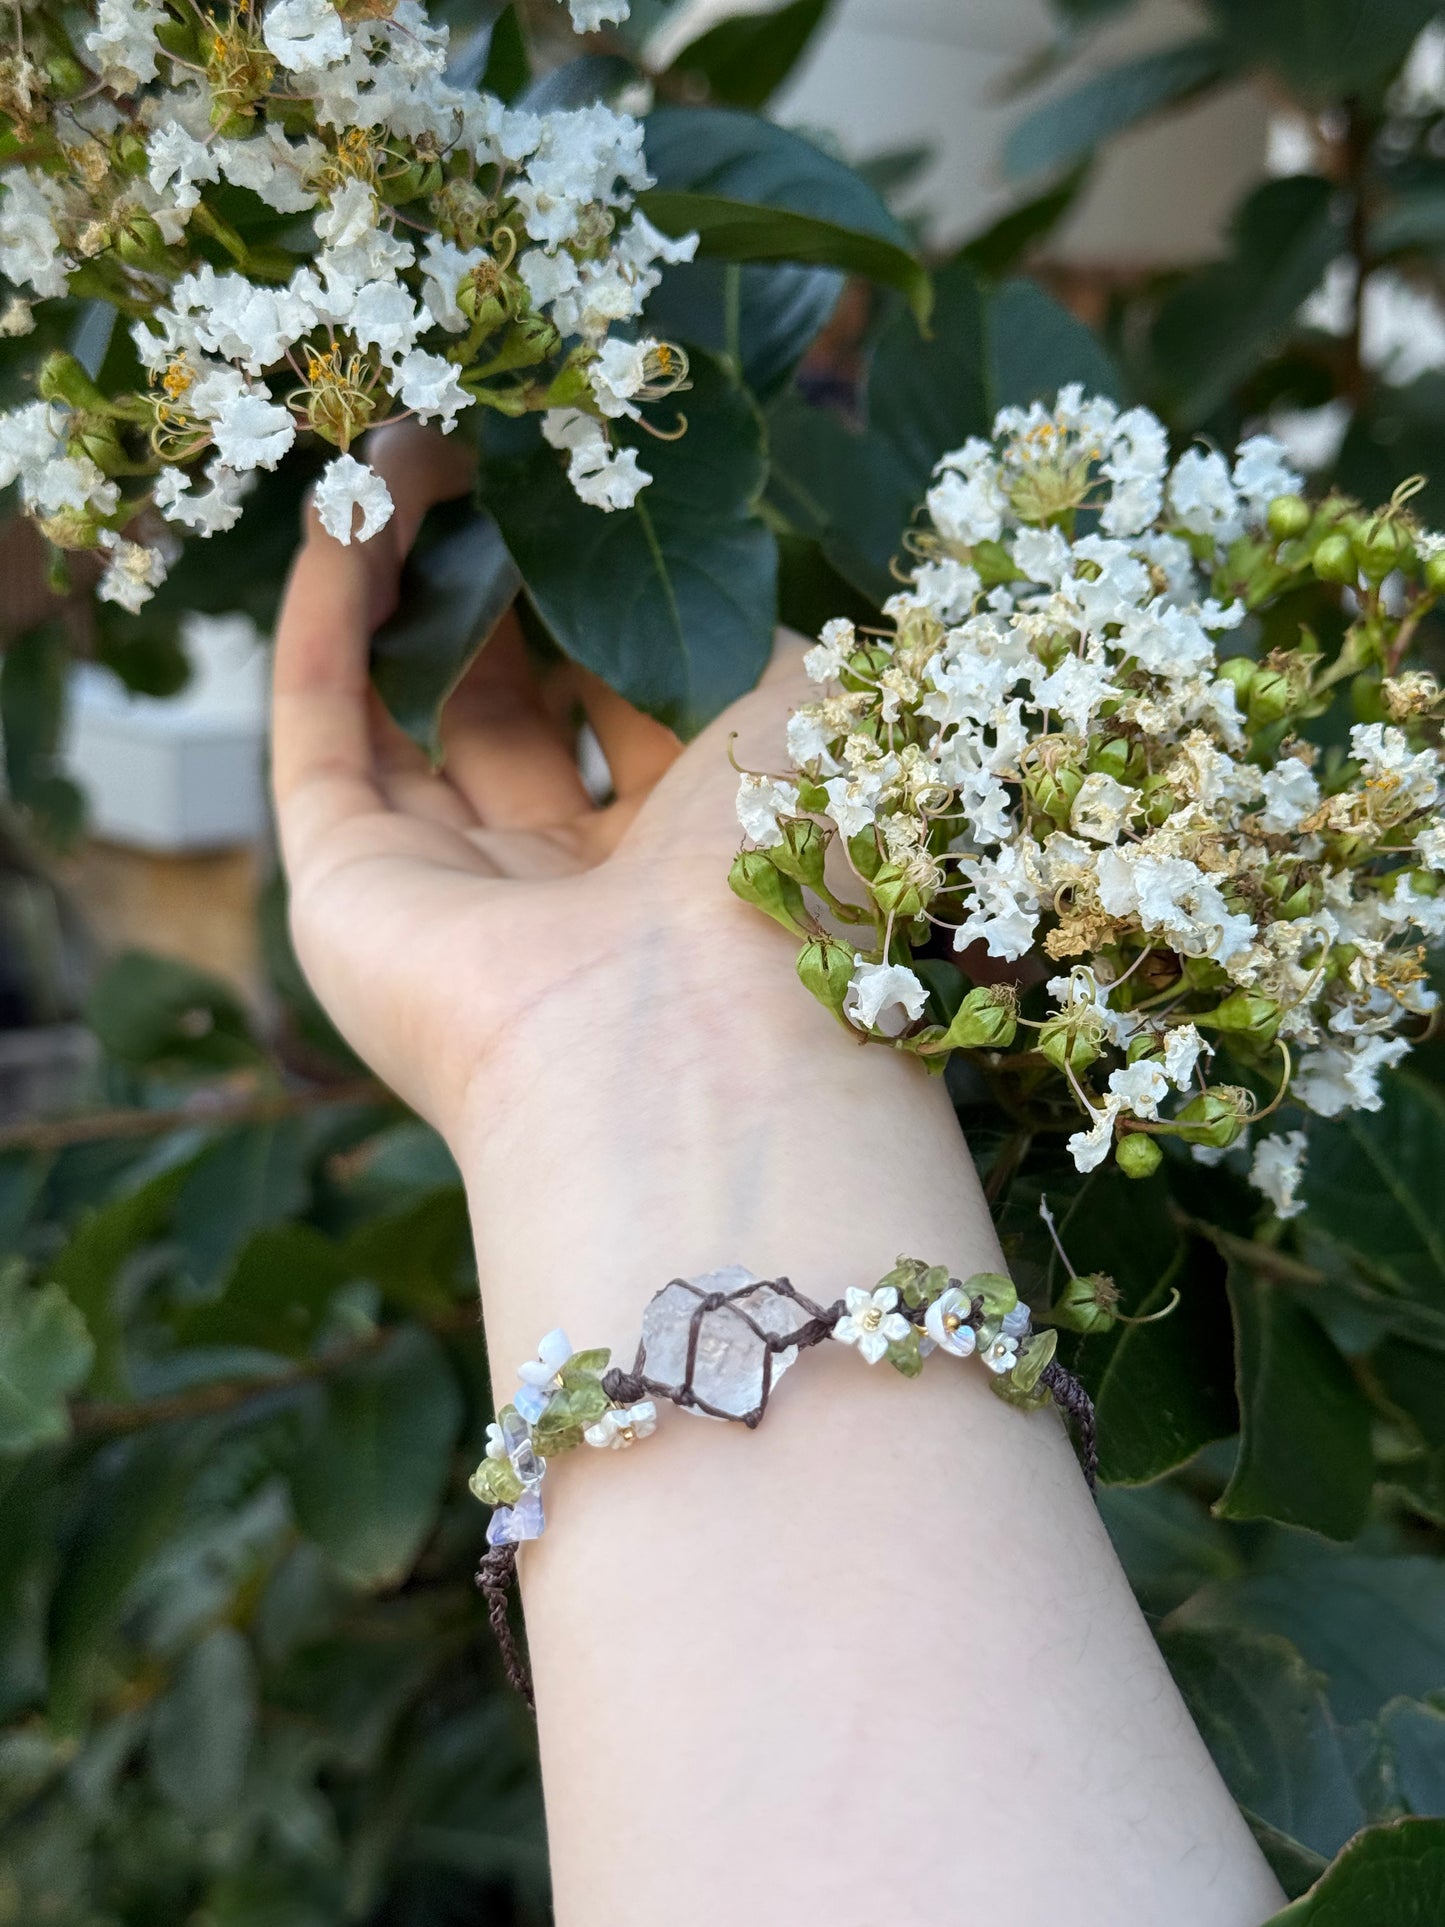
<point>1049,758</point>
<point>456,253</point>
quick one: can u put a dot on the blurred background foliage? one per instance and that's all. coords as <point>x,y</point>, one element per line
<point>244,1678</point>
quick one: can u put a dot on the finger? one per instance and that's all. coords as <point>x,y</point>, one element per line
<point>638,748</point>
<point>503,751</point>
<point>323,768</point>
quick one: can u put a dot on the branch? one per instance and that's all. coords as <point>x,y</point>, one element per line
<point>107,1418</point>
<point>254,1107</point>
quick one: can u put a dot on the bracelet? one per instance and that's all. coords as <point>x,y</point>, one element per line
<point>717,1345</point>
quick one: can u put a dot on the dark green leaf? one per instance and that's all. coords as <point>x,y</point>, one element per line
<point>1293,1866</point>
<point>370,1473</point>
<point>1373,1187</point>
<point>1001,246</point>
<point>455,585</point>
<point>1414,221</point>
<point>420,1258</point>
<point>32,706</point>
<point>1067,129</point>
<point>27,1532</point>
<point>577,83</point>
<point>45,1353</point>
<point>508,70</point>
<point>1327,48</point>
<point>671,602</point>
<point>764,319</point>
<point>155,1011</point>
<point>1412,1378</point>
<point>201,1736</point>
<point>845,489</point>
<point>1219,324</point>
<point>1265,1719</point>
<point>1373,1625</point>
<point>252,1176</point>
<point>1304,1447</point>
<point>276,1297</point>
<point>1414,1738</point>
<point>744,61</point>
<point>755,192</point>
<point>1166,1542</point>
<point>89,1268</point>
<point>1390,1876</point>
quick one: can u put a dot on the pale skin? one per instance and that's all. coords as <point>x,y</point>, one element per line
<point>874,1664</point>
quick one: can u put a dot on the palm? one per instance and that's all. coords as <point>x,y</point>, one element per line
<point>429,910</point>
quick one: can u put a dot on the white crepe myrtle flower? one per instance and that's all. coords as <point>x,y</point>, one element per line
<point>946,1322</point>
<point>1140,1087</point>
<point>761,801</point>
<point>883,997</point>
<point>1102,807</point>
<point>588,16</point>
<point>305,35</point>
<point>623,1425</point>
<point>133,573</point>
<point>31,253</point>
<point>431,387</point>
<point>1090,1147</point>
<point>1278,1170</point>
<point>1001,1354</point>
<point>601,478</point>
<point>871,1321</point>
<point>827,659</point>
<point>1182,1046</point>
<point>175,159</point>
<point>123,43</point>
<point>208,511</point>
<point>349,487</point>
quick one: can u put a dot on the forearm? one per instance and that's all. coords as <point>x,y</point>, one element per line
<point>876,1661</point>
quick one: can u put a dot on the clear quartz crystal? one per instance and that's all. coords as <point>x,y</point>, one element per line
<point>517,1437</point>
<point>728,1370</point>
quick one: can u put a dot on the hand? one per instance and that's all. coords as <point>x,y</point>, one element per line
<point>444,918</point>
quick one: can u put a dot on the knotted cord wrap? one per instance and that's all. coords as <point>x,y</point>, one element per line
<point>497,1572</point>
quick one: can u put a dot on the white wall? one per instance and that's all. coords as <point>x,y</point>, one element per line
<point>897,73</point>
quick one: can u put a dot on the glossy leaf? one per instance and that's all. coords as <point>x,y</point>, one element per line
<point>508,70</point>
<point>456,584</point>
<point>201,1736</point>
<point>671,602</point>
<point>1389,1876</point>
<point>1003,244</point>
<point>153,1011</point>
<point>1269,1727</point>
<point>89,1268</point>
<point>371,1469</point>
<point>1372,1186</point>
<point>45,1353</point>
<point>1414,1738</point>
<point>763,319</point>
<point>251,1177</point>
<point>276,1296</point>
<point>755,192</point>
<point>1336,1606</point>
<point>1067,128</point>
<point>1414,221</point>
<point>1166,1541</point>
<point>1329,47</point>
<point>1304,1447</point>
<point>744,61</point>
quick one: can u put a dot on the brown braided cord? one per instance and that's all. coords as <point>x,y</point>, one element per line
<point>1071,1398</point>
<point>495,1577</point>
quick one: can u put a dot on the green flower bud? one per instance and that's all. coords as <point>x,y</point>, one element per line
<point>993,563</point>
<point>1073,1039</point>
<point>865,666</point>
<point>1435,573</point>
<point>1112,758</point>
<point>62,378</point>
<point>495,1482</point>
<point>64,74</point>
<point>140,243</point>
<point>761,883</point>
<point>1334,558</point>
<point>997,1292</point>
<point>987,1019</point>
<point>897,893</point>
<point>1138,1155</point>
<point>1238,671</point>
<point>1288,516</point>
<point>1159,800</point>
<point>800,854</point>
<point>825,967</point>
<point>1247,1014</point>
<point>1053,790</point>
<point>98,439</point>
<point>1088,1304</point>
<point>570,388</point>
<point>1272,694</point>
<point>1425,883</point>
<point>1381,546</point>
<point>1214,1117</point>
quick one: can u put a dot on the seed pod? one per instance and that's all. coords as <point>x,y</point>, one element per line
<point>1112,758</point>
<point>1380,547</point>
<point>761,883</point>
<point>863,849</point>
<point>1238,672</point>
<point>1072,1040</point>
<point>1215,1118</point>
<point>825,967</point>
<point>1272,695</point>
<point>1138,1155</point>
<point>987,1019</point>
<point>865,666</point>
<point>800,854</point>
<point>1435,573</point>
<point>896,893</point>
<point>1087,1304</point>
<point>1053,790</point>
<point>62,378</point>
